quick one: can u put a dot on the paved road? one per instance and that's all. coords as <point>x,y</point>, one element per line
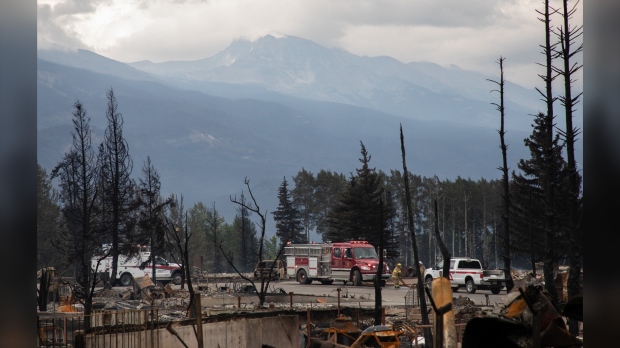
<point>389,294</point>
<point>366,292</point>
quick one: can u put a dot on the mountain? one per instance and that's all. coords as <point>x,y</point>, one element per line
<point>206,127</point>
<point>301,68</point>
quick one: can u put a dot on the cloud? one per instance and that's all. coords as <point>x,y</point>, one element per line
<point>471,34</point>
<point>53,31</point>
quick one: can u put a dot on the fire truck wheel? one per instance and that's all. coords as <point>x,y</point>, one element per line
<point>327,282</point>
<point>357,278</point>
<point>495,290</point>
<point>126,279</point>
<point>302,277</point>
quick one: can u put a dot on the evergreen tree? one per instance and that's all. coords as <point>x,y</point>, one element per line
<point>81,237</point>
<point>286,217</point>
<point>48,221</point>
<point>197,225</point>
<point>357,214</point>
<point>303,199</point>
<point>245,237</point>
<point>529,203</point>
<point>216,227</point>
<point>271,248</point>
<point>151,211</point>
<point>328,187</point>
<point>120,201</point>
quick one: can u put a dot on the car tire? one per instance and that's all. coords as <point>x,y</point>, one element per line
<point>327,282</point>
<point>470,286</point>
<point>429,282</point>
<point>495,290</point>
<point>177,278</point>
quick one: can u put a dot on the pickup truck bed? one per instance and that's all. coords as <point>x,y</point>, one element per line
<point>468,273</point>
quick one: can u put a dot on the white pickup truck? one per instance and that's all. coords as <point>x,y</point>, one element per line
<point>130,267</point>
<point>467,272</point>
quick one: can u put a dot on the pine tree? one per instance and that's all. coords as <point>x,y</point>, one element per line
<point>329,187</point>
<point>119,202</point>
<point>78,193</point>
<point>48,221</point>
<point>529,202</point>
<point>357,214</point>
<point>245,235</point>
<point>215,230</point>
<point>287,218</point>
<point>151,211</point>
<point>303,199</point>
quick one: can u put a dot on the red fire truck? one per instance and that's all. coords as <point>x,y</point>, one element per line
<point>355,261</point>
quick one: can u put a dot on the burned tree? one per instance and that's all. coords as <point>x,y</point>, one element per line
<point>428,335</point>
<point>378,281</point>
<point>178,236</point>
<point>504,168</point>
<point>119,198</point>
<point>264,281</point>
<point>151,212</point>
<point>445,253</point>
<point>550,259</point>
<point>567,36</point>
<point>82,236</point>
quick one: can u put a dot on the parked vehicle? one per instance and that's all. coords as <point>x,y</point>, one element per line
<point>269,268</point>
<point>136,265</point>
<point>467,272</point>
<point>354,261</point>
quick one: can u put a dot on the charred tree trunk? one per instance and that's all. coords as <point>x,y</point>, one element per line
<point>428,335</point>
<point>505,186</point>
<point>445,253</point>
<point>378,299</point>
<point>549,256</point>
<point>567,36</point>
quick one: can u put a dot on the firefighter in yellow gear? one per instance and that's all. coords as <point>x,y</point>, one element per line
<point>396,276</point>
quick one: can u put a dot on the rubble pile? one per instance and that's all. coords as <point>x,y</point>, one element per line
<point>524,316</point>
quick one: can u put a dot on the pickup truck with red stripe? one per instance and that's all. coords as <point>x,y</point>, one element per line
<point>468,273</point>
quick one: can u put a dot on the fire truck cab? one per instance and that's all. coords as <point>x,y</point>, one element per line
<point>354,261</point>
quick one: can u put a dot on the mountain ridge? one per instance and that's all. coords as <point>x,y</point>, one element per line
<point>205,137</point>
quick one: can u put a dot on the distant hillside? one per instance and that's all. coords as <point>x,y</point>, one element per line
<point>301,68</point>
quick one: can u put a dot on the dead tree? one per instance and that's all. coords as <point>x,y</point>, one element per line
<point>547,184</point>
<point>378,302</point>
<point>264,281</point>
<point>505,182</point>
<point>428,335</point>
<point>567,36</point>
<point>180,237</point>
<point>445,253</point>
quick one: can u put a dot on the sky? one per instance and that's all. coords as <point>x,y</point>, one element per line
<point>470,34</point>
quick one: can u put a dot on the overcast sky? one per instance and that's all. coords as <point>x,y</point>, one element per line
<point>471,34</point>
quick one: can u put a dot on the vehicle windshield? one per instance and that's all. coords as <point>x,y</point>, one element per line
<point>266,264</point>
<point>364,253</point>
<point>161,261</point>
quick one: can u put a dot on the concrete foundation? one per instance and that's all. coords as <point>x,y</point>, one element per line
<point>276,331</point>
